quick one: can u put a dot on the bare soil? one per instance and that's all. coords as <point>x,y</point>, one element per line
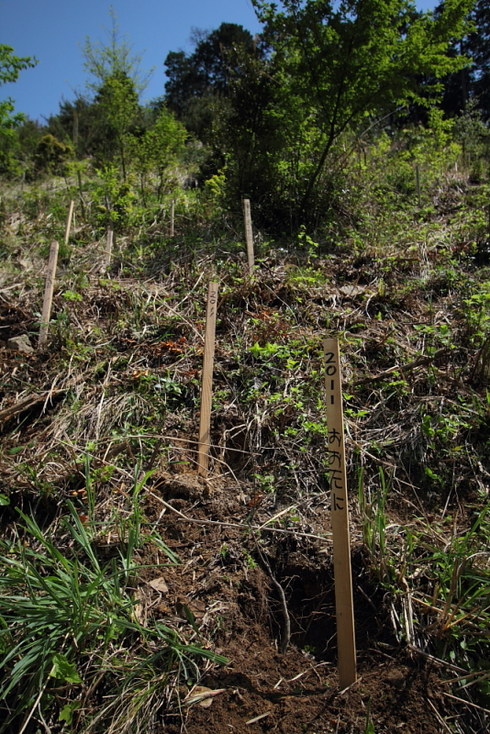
<point>263,690</point>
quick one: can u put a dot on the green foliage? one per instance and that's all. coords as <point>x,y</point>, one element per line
<point>477,314</point>
<point>52,616</point>
<point>198,83</point>
<point>432,146</point>
<point>341,64</point>
<point>10,67</point>
<point>114,198</point>
<point>59,610</point>
<point>474,137</point>
<point>372,506</point>
<point>368,725</point>
<point>51,155</point>
<point>157,149</point>
<point>103,61</point>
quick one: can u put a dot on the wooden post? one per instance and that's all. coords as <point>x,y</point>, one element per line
<point>68,222</point>
<point>207,380</point>
<point>108,246</point>
<point>249,236</point>
<point>344,604</point>
<point>48,293</point>
<point>172,218</point>
<point>80,193</point>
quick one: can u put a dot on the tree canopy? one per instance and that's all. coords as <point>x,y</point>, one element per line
<point>10,68</point>
<point>197,81</point>
<point>344,62</point>
<point>479,49</point>
<point>273,116</point>
<point>115,58</point>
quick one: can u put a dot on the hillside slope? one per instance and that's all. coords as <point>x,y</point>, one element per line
<point>128,579</point>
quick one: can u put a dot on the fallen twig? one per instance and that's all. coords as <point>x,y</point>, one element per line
<point>439,717</point>
<point>438,661</point>
<point>467,703</point>
<point>27,403</point>
<point>240,526</point>
<point>257,718</point>
<point>419,362</point>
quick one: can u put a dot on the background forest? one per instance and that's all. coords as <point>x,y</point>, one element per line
<point>137,595</point>
<point>278,118</point>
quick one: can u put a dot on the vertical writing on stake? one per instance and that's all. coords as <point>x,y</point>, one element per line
<point>207,380</point>
<point>344,605</point>
<point>249,236</point>
<point>48,293</point>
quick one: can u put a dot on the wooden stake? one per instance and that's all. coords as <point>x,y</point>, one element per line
<point>207,380</point>
<point>417,181</point>
<point>80,193</point>
<point>249,236</point>
<point>340,517</point>
<point>48,293</point>
<point>68,222</point>
<point>108,246</point>
<point>172,218</point>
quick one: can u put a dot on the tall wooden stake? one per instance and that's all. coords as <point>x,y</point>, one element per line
<point>108,246</point>
<point>207,380</point>
<point>249,236</point>
<point>48,293</point>
<point>80,193</point>
<point>344,604</point>
<point>172,218</point>
<point>68,222</point>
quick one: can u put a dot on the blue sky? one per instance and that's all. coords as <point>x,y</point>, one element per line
<point>54,31</point>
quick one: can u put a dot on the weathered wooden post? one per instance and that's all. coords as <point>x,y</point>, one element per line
<point>48,293</point>
<point>207,380</point>
<point>68,222</point>
<point>108,247</point>
<point>249,236</point>
<point>344,604</point>
<point>172,218</point>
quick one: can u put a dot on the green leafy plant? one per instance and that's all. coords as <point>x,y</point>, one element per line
<point>60,610</point>
<point>374,522</point>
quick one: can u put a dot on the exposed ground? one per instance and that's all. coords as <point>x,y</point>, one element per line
<point>106,418</point>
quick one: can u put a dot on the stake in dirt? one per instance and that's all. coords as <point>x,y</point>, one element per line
<point>344,605</point>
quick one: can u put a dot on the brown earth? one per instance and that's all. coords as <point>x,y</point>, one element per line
<point>261,689</point>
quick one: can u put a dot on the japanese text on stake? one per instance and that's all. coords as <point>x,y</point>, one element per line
<point>334,441</point>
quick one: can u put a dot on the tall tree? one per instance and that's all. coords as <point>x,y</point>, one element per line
<point>10,67</point>
<point>479,49</point>
<point>343,62</point>
<point>116,81</point>
<point>116,105</point>
<point>115,58</point>
<point>199,81</point>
